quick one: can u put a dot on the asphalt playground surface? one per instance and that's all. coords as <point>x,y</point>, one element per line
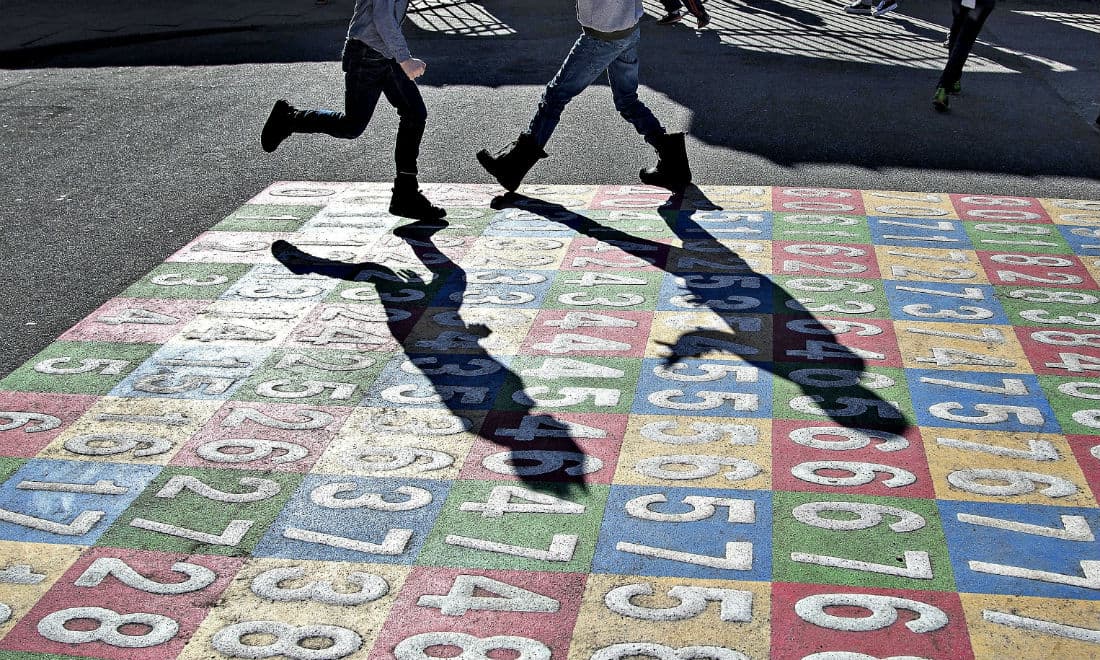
<point>838,401</point>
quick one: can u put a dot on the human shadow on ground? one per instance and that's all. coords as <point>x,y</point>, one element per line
<point>465,377</point>
<point>832,377</point>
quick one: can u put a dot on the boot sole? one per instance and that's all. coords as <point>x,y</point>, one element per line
<point>268,140</point>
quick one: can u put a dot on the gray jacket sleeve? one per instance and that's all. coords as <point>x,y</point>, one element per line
<point>385,21</point>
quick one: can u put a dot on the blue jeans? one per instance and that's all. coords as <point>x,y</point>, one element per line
<point>589,58</point>
<point>367,76</point>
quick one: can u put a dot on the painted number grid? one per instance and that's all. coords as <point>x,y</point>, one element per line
<point>592,422</point>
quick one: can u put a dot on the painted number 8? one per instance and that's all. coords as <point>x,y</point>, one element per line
<point>473,648</point>
<point>161,628</point>
<point>288,641</point>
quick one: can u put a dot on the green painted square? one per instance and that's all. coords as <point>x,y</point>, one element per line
<point>819,227</point>
<point>193,511</point>
<point>294,374</point>
<point>829,297</point>
<point>8,466</point>
<point>876,386</point>
<point>1017,237</point>
<point>617,297</point>
<point>267,218</point>
<point>73,367</point>
<point>528,367</point>
<point>801,526</point>
<point>24,655</point>
<point>648,224</point>
<point>1066,406</point>
<point>1046,306</point>
<point>466,221</point>
<point>526,530</point>
<point>187,281</point>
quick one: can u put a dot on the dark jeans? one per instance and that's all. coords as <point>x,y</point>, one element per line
<point>966,23</point>
<point>367,76</point>
<point>589,58</point>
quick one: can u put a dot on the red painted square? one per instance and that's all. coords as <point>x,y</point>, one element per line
<point>791,454</point>
<point>987,208</point>
<point>846,332</point>
<point>817,200</point>
<point>1027,271</point>
<point>135,320</point>
<point>590,254</point>
<point>941,627</point>
<point>509,433</point>
<point>113,593</point>
<point>1082,446</point>
<point>629,197</point>
<point>354,327</point>
<point>29,422</point>
<point>1076,348</point>
<point>554,629</point>
<point>273,435</point>
<point>553,334</point>
<point>815,261</point>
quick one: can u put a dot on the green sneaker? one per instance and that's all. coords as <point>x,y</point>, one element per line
<point>956,87</point>
<point>939,100</point>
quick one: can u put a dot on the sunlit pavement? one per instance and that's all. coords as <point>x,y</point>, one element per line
<point>586,422</point>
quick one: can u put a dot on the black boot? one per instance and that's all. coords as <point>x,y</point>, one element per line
<point>513,162</point>
<point>409,202</point>
<point>672,170</point>
<point>277,127</point>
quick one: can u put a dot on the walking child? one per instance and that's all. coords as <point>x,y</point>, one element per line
<point>968,17</point>
<point>376,61</point>
<point>608,43</point>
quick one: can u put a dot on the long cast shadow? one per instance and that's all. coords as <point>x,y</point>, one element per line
<point>834,379</point>
<point>543,453</point>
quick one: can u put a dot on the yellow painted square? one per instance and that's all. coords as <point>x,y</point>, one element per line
<point>174,420</point>
<point>737,452</point>
<point>961,346</point>
<point>31,570</point>
<point>1073,211</point>
<point>503,333</point>
<point>914,205</point>
<point>571,197</point>
<point>599,626</point>
<point>515,253</point>
<point>241,603</point>
<point>957,464</point>
<point>720,336</point>
<point>243,323</point>
<point>918,264</point>
<point>704,255</point>
<point>731,198</point>
<point>371,429</point>
<point>994,635</point>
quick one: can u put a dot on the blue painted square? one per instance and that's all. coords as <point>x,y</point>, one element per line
<point>509,288</point>
<point>192,372</point>
<point>1085,241</point>
<point>438,380</point>
<point>705,538</point>
<point>274,283</point>
<point>517,222</point>
<point>720,292</point>
<point>710,388</point>
<point>742,225</point>
<point>919,232</point>
<point>342,506</point>
<point>944,302</point>
<point>64,507</point>
<point>969,542</point>
<point>938,404</point>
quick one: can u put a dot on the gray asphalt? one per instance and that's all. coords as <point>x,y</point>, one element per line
<point>117,153</point>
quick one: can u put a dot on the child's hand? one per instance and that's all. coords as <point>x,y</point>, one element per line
<point>413,68</point>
